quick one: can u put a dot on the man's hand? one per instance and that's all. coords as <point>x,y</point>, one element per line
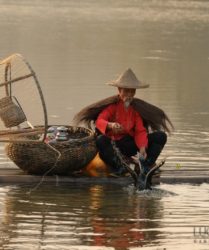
<point>143,152</point>
<point>115,127</point>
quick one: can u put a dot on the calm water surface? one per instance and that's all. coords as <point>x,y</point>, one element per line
<point>77,46</point>
<point>96,217</point>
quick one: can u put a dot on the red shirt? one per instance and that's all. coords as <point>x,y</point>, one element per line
<point>128,118</point>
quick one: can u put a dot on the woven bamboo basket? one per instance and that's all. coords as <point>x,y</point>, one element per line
<point>58,158</point>
<point>10,113</point>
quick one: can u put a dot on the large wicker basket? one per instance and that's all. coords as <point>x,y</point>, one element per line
<point>60,158</point>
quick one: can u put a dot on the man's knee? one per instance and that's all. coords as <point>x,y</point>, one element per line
<point>159,137</point>
<point>162,138</point>
<point>102,141</point>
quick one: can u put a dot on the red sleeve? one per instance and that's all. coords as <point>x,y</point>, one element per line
<point>140,133</point>
<point>104,117</point>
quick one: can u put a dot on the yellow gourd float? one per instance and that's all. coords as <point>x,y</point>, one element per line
<point>96,168</point>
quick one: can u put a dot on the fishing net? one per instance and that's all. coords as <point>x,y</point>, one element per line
<point>22,105</point>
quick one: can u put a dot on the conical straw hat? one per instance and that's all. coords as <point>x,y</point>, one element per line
<point>128,80</point>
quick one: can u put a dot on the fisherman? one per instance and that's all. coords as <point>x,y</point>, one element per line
<point>127,123</point>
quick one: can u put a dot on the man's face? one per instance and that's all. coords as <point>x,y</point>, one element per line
<point>126,94</point>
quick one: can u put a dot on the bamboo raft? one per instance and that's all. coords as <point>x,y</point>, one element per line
<point>17,176</point>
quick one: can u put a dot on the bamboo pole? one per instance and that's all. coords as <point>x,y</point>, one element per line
<point>16,79</point>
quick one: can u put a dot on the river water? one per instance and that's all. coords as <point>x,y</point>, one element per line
<point>75,47</point>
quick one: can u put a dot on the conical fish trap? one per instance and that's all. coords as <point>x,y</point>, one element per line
<point>21,100</point>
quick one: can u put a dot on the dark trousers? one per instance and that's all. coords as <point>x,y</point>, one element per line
<point>127,146</point>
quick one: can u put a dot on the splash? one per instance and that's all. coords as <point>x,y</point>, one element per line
<point>153,193</point>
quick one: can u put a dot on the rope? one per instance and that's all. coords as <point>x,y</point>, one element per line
<point>120,156</point>
<point>48,171</point>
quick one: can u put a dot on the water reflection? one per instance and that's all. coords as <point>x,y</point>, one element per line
<point>123,225</point>
<point>78,216</point>
<point>98,217</point>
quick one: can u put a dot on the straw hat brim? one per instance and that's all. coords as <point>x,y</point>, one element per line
<point>128,80</point>
<point>141,85</point>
